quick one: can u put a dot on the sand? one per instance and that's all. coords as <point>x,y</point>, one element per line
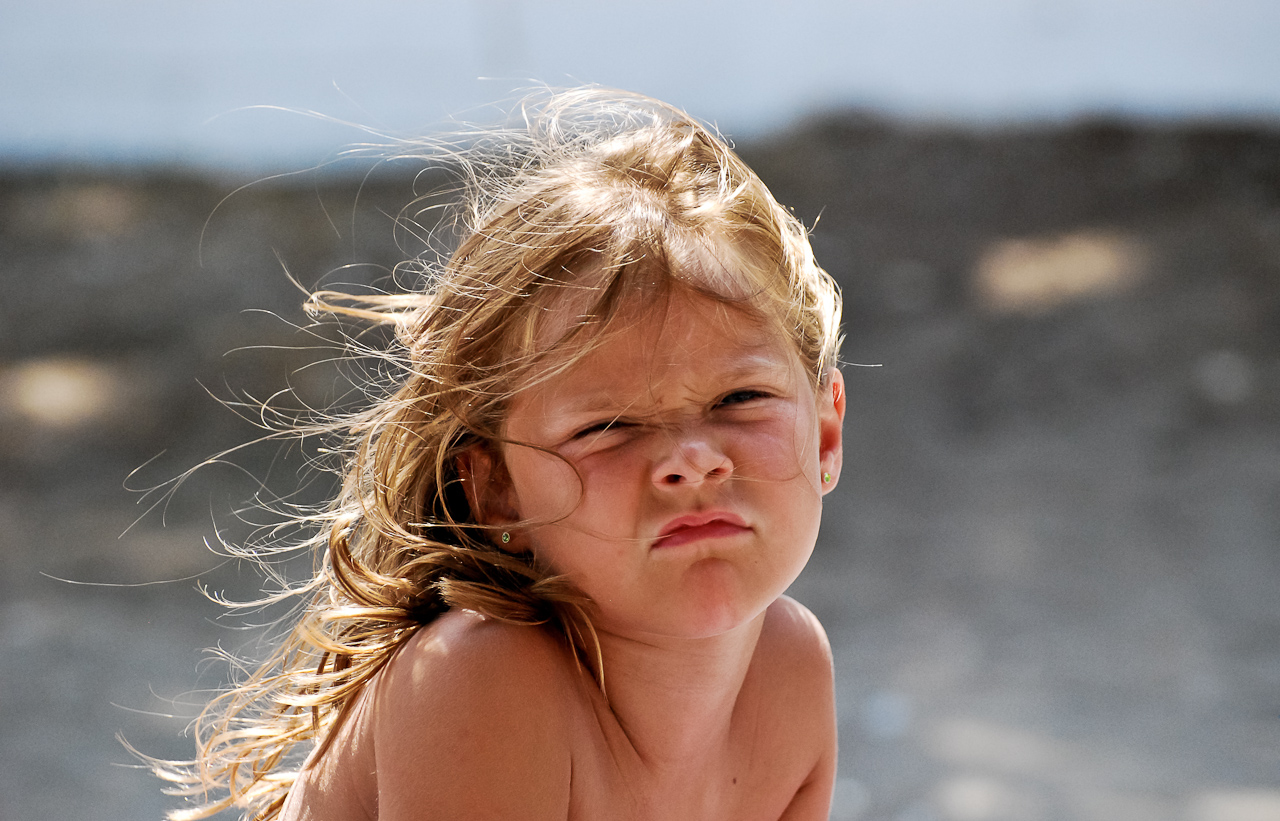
<point>1049,573</point>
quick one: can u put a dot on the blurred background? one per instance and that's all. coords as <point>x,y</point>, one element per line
<point>1049,573</point>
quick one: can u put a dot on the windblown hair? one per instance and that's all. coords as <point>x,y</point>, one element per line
<point>600,201</point>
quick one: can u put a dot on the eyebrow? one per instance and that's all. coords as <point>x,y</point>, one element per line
<point>744,366</point>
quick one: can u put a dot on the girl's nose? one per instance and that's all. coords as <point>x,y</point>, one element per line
<point>692,460</point>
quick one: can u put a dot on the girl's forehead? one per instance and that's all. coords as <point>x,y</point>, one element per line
<point>689,342</point>
<point>602,297</point>
<point>647,320</point>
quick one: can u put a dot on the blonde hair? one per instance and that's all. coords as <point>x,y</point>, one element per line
<point>600,198</point>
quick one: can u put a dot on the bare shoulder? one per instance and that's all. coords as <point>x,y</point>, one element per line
<point>793,667</point>
<point>469,719</point>
<point>449,654</point>
<point>792,634</point>
<point>795,664</point>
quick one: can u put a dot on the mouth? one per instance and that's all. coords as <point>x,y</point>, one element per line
<point>699,527</point>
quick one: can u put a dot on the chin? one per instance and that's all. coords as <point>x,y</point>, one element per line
<point>723,609</point>
<point>712,628</point>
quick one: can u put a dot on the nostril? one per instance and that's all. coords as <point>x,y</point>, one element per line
<point>692,461</point>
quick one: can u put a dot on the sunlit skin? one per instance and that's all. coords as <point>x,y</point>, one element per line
<point>696,414</point>
<point>701,445</point>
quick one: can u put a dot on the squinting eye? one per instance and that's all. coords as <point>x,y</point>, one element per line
<point>600,427</point>
<point>738,397</point>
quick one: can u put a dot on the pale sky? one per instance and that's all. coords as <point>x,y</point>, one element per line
<point>144,81</point>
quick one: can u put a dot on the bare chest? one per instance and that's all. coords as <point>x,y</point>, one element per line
<point>753,777</point>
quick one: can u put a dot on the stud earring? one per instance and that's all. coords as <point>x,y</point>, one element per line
<point>506,537</point>
<point>826,477</point>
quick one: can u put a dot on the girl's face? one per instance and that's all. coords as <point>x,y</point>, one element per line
<point>701,448</point>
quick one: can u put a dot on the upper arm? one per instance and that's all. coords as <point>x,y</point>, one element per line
<point>467,725</point>
<point>809,683</point>
<point>812,802</point>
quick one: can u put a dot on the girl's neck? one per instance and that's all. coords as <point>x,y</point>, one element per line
<point>674,698</point>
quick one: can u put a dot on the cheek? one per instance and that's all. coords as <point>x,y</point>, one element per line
<point>779,450</point>
<point>546,488</point>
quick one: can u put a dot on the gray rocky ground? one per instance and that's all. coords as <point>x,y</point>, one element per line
<point>1050,571</point>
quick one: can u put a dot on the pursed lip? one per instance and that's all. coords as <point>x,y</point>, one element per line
<point>711,524</point>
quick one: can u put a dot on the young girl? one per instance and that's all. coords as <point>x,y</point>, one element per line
<point>551,586</point>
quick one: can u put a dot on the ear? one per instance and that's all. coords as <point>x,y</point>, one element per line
<point>488,486</point>
<point>830,428</point>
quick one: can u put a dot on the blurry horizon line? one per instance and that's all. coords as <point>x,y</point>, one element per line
<point>300,153</point>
